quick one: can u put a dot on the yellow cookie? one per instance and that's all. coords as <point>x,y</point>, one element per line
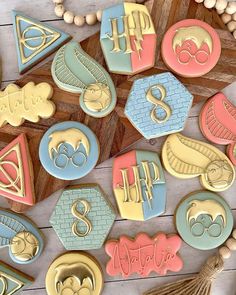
<point>30,102</point>
<point>184,157</point>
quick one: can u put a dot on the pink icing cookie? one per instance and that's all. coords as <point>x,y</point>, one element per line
<point>218,123</point>
<point>191,48</point>
<point>16,173</point>
<point>143,255</point>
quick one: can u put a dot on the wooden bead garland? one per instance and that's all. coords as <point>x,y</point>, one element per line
<point>79,20</point>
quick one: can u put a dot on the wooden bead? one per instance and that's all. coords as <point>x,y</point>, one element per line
<point>220,11</point>
<point>231,8</point>
<point>58,1</point>
<point>231,244</point>
<point>59,10</point>
<point>226,18</point>
<point>231,25</point>
<point>234,34</point>
<point>91,19</point>
<point>234,16</point>
<point>140,1</point>
<point>199,1</point>
<point>68,17</point>
<point>79,20</point>
<point>234,234</point>
<point>99,15</point>
<point>221,4</point>
<point>209,3</point>
<point>224,252</point>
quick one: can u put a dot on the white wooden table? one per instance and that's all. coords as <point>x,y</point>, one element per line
<point>176,189</point>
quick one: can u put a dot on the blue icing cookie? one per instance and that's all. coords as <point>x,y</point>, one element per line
<point>69,150</point>
<point>34,40</point>
<point>204,220</point>
<point>23,239</point>
<point>158,105</point>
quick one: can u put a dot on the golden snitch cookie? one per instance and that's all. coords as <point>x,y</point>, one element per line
<point>184,157</point>
<point>31,102</point>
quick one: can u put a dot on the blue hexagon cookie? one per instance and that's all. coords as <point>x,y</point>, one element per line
<point>82,217</point>
<point>158,105</point>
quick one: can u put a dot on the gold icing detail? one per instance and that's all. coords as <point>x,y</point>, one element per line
<point>46,33</point>
<point>27,103</point>
<point>4,278</point>
<point>158,103</point>
<point>81,216</point>
<point>195,33</point>
<point>24,246</point>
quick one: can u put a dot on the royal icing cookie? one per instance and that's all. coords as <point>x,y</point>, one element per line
<point>34,40</point>
<point>82,217</point>
<point>74,273</point>
<point>69,150</point>
<point>218,123</point>
<point>143,255</point>
<point>75,71</point>
<point>139,185</point>
<point>204,220</point>
<point>12,281</point>
<point>128,38</point>
<point>22,237</point>
<point>184,157</point>
<point>16,172</point>
<point>191,48</point>
<point>31,102</point>
<point>158,105</point>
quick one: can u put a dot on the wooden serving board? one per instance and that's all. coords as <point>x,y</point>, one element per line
<point>114,132</point>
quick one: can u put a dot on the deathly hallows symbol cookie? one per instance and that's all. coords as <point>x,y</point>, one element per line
<point>16,173</point>
<point>34,40</point>
<point>218,123</point>
<point>75,71</point>
<point>184,157</point>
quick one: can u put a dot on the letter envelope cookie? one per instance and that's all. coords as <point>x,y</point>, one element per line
<point>184,157</point>
<point>31,102</point>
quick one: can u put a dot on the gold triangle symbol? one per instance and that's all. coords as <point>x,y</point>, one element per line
<point>4,278</point>
<point>19,190</point>
<point>23,39</point>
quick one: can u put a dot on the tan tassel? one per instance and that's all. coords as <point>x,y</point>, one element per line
<point>199,284</point>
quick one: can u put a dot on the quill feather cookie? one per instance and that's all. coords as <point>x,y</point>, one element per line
<point>184,157</point>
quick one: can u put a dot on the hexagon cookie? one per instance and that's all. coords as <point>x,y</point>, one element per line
<point>82,217</point>
<point>158,105</point>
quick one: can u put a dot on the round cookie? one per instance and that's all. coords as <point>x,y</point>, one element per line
<point>74,273</point>
<point>204,220</point>
<point>191,48</point>
<point>69,150</point>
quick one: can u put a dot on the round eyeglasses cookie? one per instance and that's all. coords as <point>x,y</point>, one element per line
<point>204,220</point>
<point>191,48</point>
<point>69,150</point>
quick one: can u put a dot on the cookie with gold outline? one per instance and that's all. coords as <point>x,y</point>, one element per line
<point>74,273</point>
<point>184,157</point>
<point>34,40</point>
<point>218,123</point>
<point>31,102</point>
<point>204,220</point>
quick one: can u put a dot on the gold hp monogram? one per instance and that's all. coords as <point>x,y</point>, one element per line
<point>81,216</point>
<point>141,24</point>
<point>158,103</point>
<point>136,188</point>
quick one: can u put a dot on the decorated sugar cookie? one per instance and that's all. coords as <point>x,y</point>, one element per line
<point>74,273</point>
<point>218,123</point>
<point>158,105</point>
<point>34,40</point>
<point>69,150</point>
<point>12,281</point>
<point>23,239</point>
<point>204,220</point>
<point>16,172</point>
<point>75,71</point>
<point>191,48</point>
<point>30,102</point>
<point>128,38</point>
<point>82,217</point>
<point>184,157</point>
<point>143,254</point>
<point>139,185</point>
